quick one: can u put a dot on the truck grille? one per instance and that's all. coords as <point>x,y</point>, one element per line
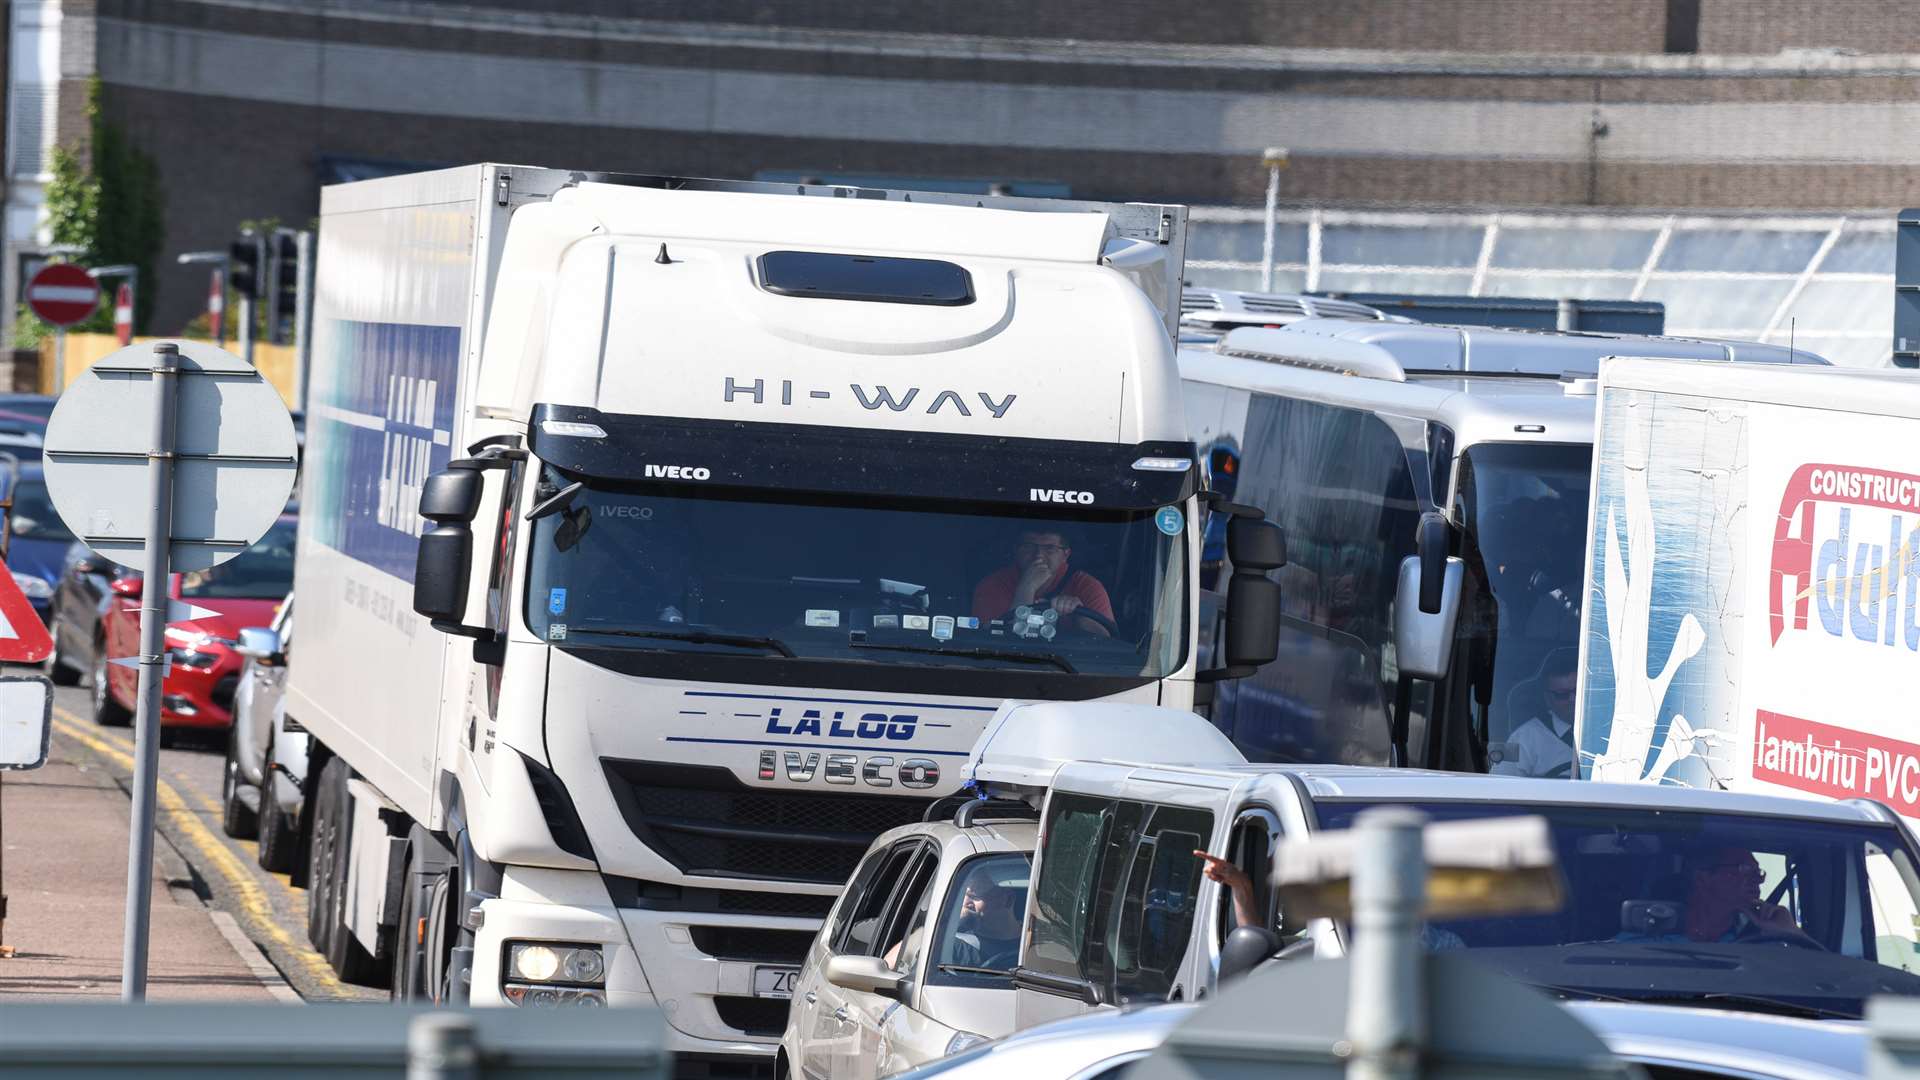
<point>753,943</point>
<point>754,1016</point>
<point>703,820</point>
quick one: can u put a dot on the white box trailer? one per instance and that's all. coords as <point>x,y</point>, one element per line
<point>1754,580</point>
<point>765,456</point>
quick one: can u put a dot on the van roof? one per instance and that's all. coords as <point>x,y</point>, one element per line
<point>1366,783</point>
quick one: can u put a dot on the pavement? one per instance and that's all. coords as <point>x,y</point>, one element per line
<point>63,842</point>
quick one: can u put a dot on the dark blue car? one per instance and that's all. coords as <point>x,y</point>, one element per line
<point>38,541</point>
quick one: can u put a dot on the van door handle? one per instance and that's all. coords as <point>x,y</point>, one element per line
<point>812,997</point>
<point>841,1014</point>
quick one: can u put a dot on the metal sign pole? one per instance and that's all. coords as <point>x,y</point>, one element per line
<point>59,360</point>
<point>153,656</point>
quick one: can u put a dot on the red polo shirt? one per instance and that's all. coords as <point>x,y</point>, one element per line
<point>993,597</point>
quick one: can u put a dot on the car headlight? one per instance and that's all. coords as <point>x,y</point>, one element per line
<point>543,974</point>
<point>36,588</point>
<point>964,1040</point>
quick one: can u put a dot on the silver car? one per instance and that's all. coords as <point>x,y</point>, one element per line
<point>261,800</point>
<point>914,961</point>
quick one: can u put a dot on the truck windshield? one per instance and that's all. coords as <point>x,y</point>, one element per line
<point>1523,507</point>
<point>903,581</point>
<point>1770,914</point>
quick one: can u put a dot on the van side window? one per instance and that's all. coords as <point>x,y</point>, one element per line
<point>866,903</point>
<point>1158,903</point>
<point>1251,847</point>
<point>1087,843</point>
<point>1339,482</point>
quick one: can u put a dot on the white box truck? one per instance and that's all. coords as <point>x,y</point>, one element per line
<point>1754,580</point>
<point>664,541</point>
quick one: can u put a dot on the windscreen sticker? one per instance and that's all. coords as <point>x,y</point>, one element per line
<point>822,617</point>
<point>968,622</point>
<point>914,622</point>
<point>557,602</point>
<point>886,622</point>
<point>557,631</point>
<point>1170,520</point>
<point>943,627</point>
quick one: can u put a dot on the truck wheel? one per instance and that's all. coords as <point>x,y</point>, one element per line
<point>348,958</point>
<point>320,883</point>
<point>237,819</point>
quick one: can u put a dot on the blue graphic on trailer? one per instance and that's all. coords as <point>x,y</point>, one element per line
<point>387,414</point>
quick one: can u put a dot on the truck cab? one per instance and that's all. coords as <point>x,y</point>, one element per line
<point>1432,482</point>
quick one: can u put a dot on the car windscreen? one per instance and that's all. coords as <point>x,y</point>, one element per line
<point>909,580</point>
<point>33,515</point>
<point>262,572</point>
<point>1798,916</point>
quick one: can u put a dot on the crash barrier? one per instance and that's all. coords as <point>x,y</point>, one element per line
<point>161,1042</point>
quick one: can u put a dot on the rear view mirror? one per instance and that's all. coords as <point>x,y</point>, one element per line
<point>260,645</point>
<point>1246,948</point>
<point>445,557</point>
<point>26,720</point>
<point>1427,603</point>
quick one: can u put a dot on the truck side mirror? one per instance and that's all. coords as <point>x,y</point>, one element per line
<point>1246,948</point>
<point>445,559</point>
<point>1427,603</point>
<point>1253,601</point>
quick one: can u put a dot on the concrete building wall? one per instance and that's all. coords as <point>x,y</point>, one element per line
<point>1548,103</point>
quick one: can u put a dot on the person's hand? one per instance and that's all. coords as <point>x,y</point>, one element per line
<point>1066,605</point>
<point>1224,872</point>
<point>1773,917</point>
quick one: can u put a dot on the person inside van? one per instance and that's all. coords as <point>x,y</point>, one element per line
<point>1724,903</point>
<point>1246,910</point>
<point>1543,746</point>
<point>1039,574</point>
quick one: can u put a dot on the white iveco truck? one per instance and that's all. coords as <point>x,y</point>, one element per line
<point>665,541</point>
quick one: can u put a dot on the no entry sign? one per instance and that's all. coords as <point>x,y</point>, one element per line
<point>63,294</point>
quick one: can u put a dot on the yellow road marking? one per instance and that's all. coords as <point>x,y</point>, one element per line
<point>251,898</point>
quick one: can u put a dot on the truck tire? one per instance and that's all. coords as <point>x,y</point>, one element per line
<point>320,883</point>
<point>349,959</point>
<point>237,819</point>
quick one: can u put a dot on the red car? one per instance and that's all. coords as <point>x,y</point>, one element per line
<point>198,692</point>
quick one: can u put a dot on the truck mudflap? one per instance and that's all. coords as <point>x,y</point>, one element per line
<point>703,970</point>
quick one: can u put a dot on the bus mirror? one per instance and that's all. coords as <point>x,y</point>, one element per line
<point>1422,639</point>
<point>1256,544</point>
<point>1432,543</point>
<point>1253,621</point>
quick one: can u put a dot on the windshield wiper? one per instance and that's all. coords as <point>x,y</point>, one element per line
<point>968,969</point>
<point>699,637</point>
<point>976,653</point>
<point>1758,1003</point>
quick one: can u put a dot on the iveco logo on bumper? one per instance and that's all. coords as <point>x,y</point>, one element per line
<point>878,770</point>
<point>678,472</point>
<point>1056,495</point>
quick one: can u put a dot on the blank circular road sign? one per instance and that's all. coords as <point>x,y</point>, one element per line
<point>234,456</point>
<point>63,294</point>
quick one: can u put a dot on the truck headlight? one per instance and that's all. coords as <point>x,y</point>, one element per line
<point>542,974</point>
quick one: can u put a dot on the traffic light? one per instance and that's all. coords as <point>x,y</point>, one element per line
<point>285,296</point>
<point>244,270</point>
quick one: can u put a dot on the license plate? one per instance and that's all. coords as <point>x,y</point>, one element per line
<point>774,982</point>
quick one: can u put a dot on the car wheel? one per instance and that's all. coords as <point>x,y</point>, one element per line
<point>107,712</point>
<point>278,842</point>
<point>238,819</point>
<point>57,668</point>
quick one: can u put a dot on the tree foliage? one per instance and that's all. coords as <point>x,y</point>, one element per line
<point>109,206</point>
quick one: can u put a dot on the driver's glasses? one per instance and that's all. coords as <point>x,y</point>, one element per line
<point>1027,551</point>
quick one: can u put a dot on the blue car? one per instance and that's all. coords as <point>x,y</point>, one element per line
<point>37,541</point>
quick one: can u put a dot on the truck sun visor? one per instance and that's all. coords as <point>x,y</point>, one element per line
<point>884,279</point>
<point>856,461</point>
